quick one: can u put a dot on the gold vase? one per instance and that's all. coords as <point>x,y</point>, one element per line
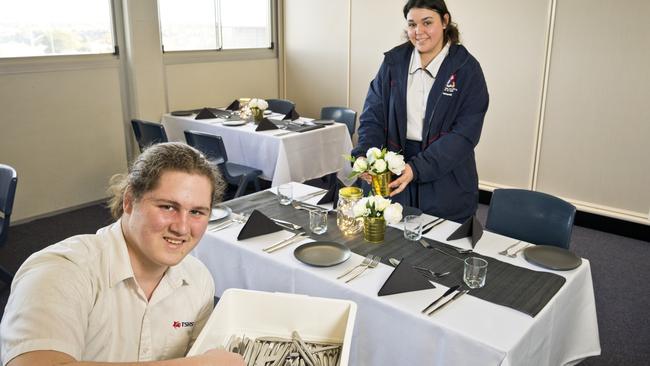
<point>374,229</point>
<point>258,115</point>
<point>380,183</point>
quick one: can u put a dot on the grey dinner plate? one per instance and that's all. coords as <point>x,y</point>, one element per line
<point>322,253</point>
<point>220,212</point>
<point>551,257</point>
<point>324,122</point>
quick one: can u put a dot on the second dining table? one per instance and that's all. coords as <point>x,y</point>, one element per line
<point>282,155</point>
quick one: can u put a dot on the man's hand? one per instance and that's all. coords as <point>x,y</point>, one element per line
<point>399,184</point>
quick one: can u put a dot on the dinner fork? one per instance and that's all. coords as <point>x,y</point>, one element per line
<point>366,261</point>
<point>373,264</point>
<point>433,273</point>
<point>505,251</point>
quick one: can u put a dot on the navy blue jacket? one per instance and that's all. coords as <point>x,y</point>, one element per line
<point>445,170</point>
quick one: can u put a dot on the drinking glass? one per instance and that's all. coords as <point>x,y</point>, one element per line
<point>318,221</point>
<point>412,228</point>
<point>285,194</point>
<point>475,272</point>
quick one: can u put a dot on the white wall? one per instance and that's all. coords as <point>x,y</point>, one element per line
<point>567,80</point>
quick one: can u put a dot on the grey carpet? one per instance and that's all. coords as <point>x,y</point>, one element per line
<point>619,266</point>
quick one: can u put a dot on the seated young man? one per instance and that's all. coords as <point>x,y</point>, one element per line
<point>129,293</point>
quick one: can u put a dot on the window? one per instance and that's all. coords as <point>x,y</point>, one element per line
<point>215,24</point>
<point>61,27</point>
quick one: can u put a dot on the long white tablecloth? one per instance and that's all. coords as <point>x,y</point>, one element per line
<point>390,330</point>
<point>282,159</point>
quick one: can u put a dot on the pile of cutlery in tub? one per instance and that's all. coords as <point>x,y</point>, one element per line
<point>277,351</point>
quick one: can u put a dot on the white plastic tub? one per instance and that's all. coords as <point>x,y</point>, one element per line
<point>257,313</point>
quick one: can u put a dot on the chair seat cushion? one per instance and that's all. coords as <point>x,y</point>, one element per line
<point>237,170</point>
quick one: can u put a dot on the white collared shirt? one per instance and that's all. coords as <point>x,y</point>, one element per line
<point>419,84</point>
<point>80,297</point>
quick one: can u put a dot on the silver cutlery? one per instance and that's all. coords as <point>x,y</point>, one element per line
<point>451,255</point>
<point>366,261</point>
<point>395,262</point>
<point>513,255</point>
<point>222,225</point>
<point>505,251</point>
<point>285,242</point>
<point>436,223</point>
<point>373,264</point>
<point>425,244</point>
<point>447,293</point>
<point>455,297</point>
<point>287,224</point>
<point>462,251</point>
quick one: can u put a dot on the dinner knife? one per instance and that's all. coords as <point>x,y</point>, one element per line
<point>458,294</point>
<point>433,225</point>
<point>447,293</point>
<point>287,224</point>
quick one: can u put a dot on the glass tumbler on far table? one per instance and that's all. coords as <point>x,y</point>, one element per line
<point>285,194</point>
<point>318,221</point>
<point>475,272</point>
<point>412,228</point>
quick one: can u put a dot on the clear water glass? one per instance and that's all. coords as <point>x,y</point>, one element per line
<point>318,221</point>
<point>285,194</point>
<point>475,272</point>
<point>412,227</point>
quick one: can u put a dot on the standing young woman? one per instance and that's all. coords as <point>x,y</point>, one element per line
<point>428,101</point>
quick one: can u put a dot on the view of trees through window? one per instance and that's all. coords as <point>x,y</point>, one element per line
<point>215,24</point>
<point>61,27</point>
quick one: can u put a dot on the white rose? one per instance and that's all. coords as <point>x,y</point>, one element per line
<point>372,154</point>
<point>393,213</point>
<point>381,203</point>
<point>395,162</point>
<point>379,166</point>
<point>360,209</point>
<point>360,165</point>
<point>262,104</point>
<point>253,103</point>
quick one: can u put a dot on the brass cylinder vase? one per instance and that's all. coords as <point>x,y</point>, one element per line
<point>374,229</point>
<point>380,183</point>
<point>258,115</point>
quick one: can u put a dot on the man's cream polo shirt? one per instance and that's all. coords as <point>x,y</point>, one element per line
<point>80,297</point>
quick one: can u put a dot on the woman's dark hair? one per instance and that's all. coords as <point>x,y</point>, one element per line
<point>451,33</point>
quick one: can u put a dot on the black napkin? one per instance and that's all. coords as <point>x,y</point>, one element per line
<point>205,113</point>
<point>332,195</point>
<point>265,125</point>
<point>292,115</point>
<point>472,227</point>
<point>234,106</point>
<point>410,210</point>
<point>404,279</point>
<point>256,225</point>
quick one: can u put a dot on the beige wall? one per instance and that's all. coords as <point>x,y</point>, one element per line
<point>565,116</point>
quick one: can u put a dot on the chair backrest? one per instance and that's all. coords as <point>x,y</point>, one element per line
<point>341,114</point>
<point>8,182</point>
<point>534,217</point>
<point>210,145</point>
<point>148,133</point>
<point>282,106</point>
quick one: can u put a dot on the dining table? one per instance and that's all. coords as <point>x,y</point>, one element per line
<point>525,315</point>
<point>283,155</point>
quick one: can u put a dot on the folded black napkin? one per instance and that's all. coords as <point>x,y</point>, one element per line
<point>404,279</point>
<point>205,113</point>
<point>332,195</point>
<point>292,115</point>
<point>265,125</point>
<point>472,227</point>
<point>410,210</point>
<point>256,225</point>
<point>234,106</point>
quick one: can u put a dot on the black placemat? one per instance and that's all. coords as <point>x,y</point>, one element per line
<point>518,288</point>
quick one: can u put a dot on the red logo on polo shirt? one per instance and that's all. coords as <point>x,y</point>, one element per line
<point>450,88</point>
<point>176,324</point>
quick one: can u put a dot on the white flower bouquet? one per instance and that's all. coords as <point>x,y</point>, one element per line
<point>377,162</point>
<point>260,104</point>
<point>378,206</point>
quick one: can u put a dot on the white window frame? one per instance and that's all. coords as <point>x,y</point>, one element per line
<point>200,56</point>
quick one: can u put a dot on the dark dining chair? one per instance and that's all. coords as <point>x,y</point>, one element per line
<point>213,148</point>
<point>340,114</point>
<point>8,182</point>
<point>534,217</point>
<point>282,106</point>
<point>148,133</point>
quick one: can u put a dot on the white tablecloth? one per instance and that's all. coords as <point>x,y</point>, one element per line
<point>390,330</point>
<point>282,159</point>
